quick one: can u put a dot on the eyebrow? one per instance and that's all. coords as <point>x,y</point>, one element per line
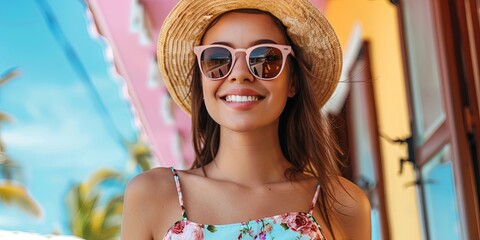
<point>260,41</point>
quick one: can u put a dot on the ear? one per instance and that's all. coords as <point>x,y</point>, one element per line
<point>292,90</point>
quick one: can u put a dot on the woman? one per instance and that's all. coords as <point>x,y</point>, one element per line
<point>253,74</point>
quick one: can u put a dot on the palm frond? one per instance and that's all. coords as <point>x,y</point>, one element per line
<point>9,75</point>
<point>141,154</point>
<point>15,194</point>
<point>91,218</point>
<point>5,117</point>
<point>99,177</point>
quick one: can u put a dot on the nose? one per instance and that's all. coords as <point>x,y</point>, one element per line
<point>240,71</point>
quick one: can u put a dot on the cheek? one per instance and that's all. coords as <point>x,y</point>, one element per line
<point>286,85</point>
<point>210,89</point>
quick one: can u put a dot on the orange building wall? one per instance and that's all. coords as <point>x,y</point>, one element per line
<point>379,25</point>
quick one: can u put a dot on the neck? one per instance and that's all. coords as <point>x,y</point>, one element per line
<point>249,158</point>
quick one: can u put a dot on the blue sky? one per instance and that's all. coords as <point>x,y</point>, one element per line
<point>70,117</point>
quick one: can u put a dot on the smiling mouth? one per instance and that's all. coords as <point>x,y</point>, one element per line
<point>241,98</point>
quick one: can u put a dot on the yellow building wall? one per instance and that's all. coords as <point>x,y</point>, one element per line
<point>379,25</point>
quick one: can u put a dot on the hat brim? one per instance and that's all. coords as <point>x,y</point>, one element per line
<point>306,26</point>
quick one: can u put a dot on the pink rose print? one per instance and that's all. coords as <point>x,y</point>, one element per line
<point>178,227</point>
<point>185,230</point>
<point>268,228</point>
<point>192,231</point>
<point>297,222</point>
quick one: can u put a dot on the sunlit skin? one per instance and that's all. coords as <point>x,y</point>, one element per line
<point>246,179</point>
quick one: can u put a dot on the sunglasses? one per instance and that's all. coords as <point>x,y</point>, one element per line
<point>265,61</point>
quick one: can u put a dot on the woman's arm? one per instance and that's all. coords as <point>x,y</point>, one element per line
<point>134,225</point>
<point>150,205</point>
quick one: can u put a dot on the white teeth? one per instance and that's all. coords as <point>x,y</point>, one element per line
<point>238,98</point>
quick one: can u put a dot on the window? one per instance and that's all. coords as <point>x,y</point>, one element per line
<point>441,62</point>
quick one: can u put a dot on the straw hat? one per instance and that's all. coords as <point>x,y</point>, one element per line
<point>306,26</point>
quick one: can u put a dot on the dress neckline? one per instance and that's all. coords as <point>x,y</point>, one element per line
<point>299,221</point>
<point>249,221</point>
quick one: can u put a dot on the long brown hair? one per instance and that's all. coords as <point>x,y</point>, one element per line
<point>304,132</point>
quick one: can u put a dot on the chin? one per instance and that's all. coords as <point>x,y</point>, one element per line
<point>250,125</point>
<point>240,127</point>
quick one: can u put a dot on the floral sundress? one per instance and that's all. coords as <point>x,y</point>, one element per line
<point>287,226</point>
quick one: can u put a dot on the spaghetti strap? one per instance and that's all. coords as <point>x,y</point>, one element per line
<point>314,201</point>
<point>179,192</point>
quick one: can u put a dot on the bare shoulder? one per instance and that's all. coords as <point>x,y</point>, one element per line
<point>157,180</point>
<point>352,215</point>
<point>351,198</point>
<point>150,205</point>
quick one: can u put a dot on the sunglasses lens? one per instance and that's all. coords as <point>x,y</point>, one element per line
<point>216,62</point>
<point>266,62</point>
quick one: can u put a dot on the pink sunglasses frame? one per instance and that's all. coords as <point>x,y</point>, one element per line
<point>285,49</point>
